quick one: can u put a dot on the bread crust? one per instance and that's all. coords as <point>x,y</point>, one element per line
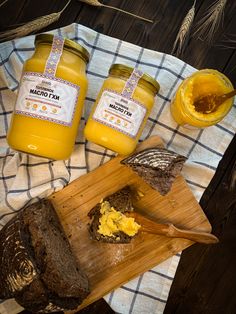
<point>157,166</point>
<point>44,274</point>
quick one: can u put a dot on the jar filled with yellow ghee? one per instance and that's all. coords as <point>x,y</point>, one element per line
<point>50,99</point>
<point>121,110</point>
<point>201,83</point>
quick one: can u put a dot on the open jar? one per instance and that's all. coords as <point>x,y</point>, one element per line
<point>121,110</point>
<point>201,83</point>
<point>50,98</point>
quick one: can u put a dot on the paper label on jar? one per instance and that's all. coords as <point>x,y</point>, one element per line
<point>51,99</point>
<point>131,83</point>
<point>54,56</point>
<point>120,113</point>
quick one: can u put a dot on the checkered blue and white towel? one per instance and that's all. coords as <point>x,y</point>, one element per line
<point>25,179</point>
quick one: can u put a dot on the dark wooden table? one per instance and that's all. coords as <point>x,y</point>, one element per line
<point>205,281</point>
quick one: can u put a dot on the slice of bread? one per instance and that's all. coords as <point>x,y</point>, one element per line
<point>37,266</point>
<point>121,201</point>
<point>157,166</point>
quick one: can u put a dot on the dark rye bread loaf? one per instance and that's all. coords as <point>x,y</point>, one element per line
<point>121,201</point>
<point>37,266</point>
<point>157,166</point>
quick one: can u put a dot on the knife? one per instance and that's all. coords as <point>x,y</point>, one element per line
<point>170,230</point>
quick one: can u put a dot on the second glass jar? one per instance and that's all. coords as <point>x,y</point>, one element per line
<point>121,110</point>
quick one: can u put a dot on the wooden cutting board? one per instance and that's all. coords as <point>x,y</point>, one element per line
<point>108,266</point>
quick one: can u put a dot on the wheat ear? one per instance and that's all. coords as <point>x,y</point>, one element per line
<point>184,31</point>
<point>32,26</point>
<point>208,25</point>
<point>96,3</point>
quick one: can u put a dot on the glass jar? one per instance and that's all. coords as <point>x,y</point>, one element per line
<point>201,83</point>
<point>121,109</point>
<point>50,98</point>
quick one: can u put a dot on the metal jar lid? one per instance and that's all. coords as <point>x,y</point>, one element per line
<point>121,69</point>
<point>69,44</point>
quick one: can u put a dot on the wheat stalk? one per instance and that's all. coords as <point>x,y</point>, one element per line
<point>208,25</point>
<point>96,3</point>
<point>3,3</point>
<point>184,31</point>
<point>228,42</point>
<point>32,26</point>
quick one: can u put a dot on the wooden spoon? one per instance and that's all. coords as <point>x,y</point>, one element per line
<point>209,103</point>
<point>169,230</point>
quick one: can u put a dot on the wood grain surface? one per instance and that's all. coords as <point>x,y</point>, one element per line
<point>108,266</point>
<point>205,280</point>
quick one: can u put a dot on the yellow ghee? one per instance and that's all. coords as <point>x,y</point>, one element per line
<point>50,99</point>
<point>121,110</point>
<point>113,221</point>
<point>201,83</point>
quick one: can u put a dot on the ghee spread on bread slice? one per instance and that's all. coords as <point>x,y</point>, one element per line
<point>109,224</point>
<point>113,221</point>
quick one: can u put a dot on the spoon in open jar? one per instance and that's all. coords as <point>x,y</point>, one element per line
<point>209,103</point>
